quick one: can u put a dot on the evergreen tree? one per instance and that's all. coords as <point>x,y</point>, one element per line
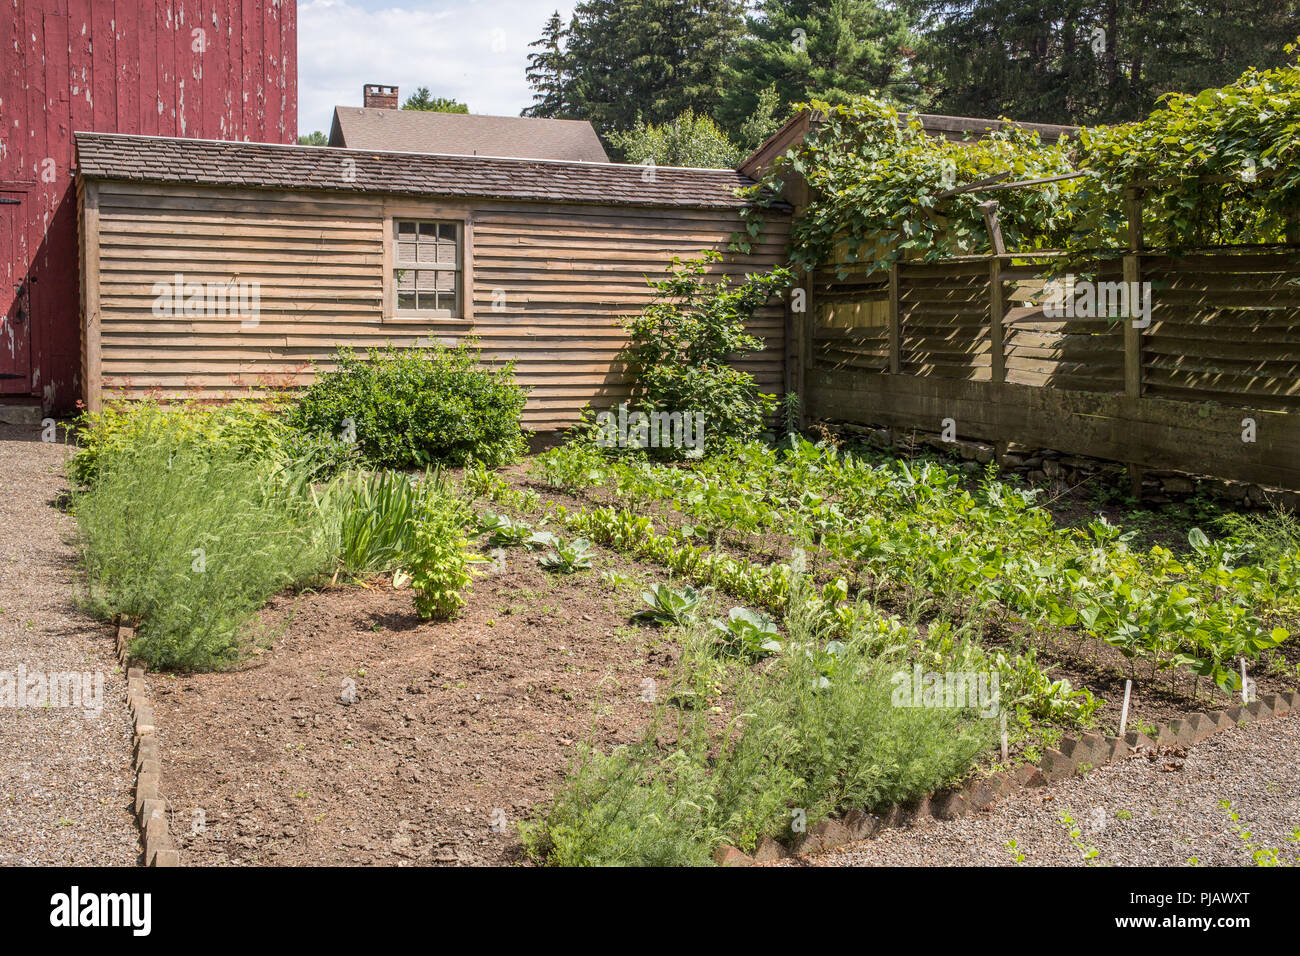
<point>829,49</point>
<point>421,100</point>
<point>649,59</point>
<point>1092,61</point>
<point>548,72</point>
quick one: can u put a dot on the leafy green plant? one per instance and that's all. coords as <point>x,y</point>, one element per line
<point>1260,855</point>
<point>669,605</point>
<point>680,347</point>
<point>572,466</point>
<point>504,531</point>
<point>614,578</point>
<point>1013,847</point>
<point>748,633</point>
<point>439,565</point>
<point>378,514</point>
<point>568,556</point>
<point>1087,852</point>
<point>417,406</point>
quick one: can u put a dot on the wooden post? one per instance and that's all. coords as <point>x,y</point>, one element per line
<point>990,210</point>
<point>1132,275</point>
<point>93,381</point>
<point>895,325</point>
<point>1133,210</point>
<point>997,312</point>
<point>806,323</point>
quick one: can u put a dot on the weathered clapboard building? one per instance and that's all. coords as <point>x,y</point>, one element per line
<point>216,269</point>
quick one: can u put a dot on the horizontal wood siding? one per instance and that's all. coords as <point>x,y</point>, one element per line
<point>549,284</point>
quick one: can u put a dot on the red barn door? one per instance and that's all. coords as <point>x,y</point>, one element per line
<point>15,300</point>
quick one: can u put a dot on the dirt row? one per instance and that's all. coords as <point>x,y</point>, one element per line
<point>454,732</point>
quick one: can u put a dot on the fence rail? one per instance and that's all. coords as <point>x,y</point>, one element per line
<point>1204,357</point>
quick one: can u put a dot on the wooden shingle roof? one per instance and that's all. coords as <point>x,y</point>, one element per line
<point>159,159</point>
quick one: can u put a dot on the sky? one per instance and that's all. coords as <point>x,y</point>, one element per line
<point>474,51</point>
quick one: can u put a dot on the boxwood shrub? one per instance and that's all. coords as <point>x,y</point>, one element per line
<point>413,407</point>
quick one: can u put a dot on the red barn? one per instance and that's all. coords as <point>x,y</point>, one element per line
<point>202,69</point>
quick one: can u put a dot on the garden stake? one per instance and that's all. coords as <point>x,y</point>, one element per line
<point>1123,714</point>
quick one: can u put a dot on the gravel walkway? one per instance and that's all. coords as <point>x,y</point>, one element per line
<point>1141,812</point>
<point>65,773</point>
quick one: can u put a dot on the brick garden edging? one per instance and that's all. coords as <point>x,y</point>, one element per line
<point>1087,752</point>
<point>150,808</point>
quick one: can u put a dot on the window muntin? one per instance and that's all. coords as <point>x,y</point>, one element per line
<point>427,267</point>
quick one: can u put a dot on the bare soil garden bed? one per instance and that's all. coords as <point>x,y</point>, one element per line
<point>455,726</point>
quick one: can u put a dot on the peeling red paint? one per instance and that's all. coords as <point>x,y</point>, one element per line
<point>112,66</point>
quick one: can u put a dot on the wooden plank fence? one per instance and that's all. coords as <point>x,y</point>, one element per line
<point>1214,364</point>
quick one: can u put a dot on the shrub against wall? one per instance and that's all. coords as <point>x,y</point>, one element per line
<point>682,346</point>
<point>416,407</point>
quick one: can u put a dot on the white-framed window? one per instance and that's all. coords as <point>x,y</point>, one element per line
<point>428,267</point>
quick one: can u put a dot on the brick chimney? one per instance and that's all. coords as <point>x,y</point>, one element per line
<point>379,97</point>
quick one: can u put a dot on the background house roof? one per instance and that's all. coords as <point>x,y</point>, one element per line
<point>156,159</point>
<point>465,134</point>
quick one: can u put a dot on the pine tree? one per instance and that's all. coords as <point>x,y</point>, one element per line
<point>647,59</point>
<point>421,100</point>
<point>827,49</point>
<point>1093,61</point>
<point>548,73</point>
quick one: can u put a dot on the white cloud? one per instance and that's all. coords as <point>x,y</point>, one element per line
<point>472,50</point>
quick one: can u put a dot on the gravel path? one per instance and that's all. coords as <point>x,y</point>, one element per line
<point>1141,812</point>
<point>65,772</point>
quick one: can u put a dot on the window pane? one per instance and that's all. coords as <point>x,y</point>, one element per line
<point>428,252</point>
